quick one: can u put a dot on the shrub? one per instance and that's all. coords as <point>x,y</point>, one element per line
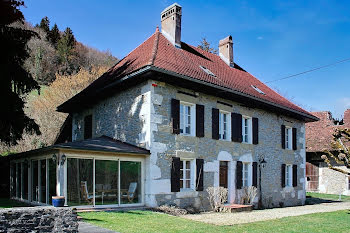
<point>217,197</point>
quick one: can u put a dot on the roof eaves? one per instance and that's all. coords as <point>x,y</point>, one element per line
<point>311,117</point>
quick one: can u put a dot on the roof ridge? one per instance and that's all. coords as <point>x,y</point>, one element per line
<point>155,47</point>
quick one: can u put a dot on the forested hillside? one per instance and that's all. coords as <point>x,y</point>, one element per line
<point>63,67</point>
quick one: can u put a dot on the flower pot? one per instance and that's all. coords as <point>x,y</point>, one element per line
<point>58,201</point>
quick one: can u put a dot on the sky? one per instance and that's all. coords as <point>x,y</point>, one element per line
<point>272,39</point>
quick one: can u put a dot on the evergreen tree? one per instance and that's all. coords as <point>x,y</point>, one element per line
<point>45,24</point>
<point>15,81</point>
<point>65,50</point>
<point>54,35</point>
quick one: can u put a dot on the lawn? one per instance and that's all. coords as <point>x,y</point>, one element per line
<point>8,203</point>
<point>333,197</point>
<point>147,221</point>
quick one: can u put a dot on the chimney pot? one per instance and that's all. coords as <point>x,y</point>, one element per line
<point>171,23</point>
<point>226,50</point>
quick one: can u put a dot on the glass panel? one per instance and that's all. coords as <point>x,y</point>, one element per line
<point>188,174</point>
<point>18,180</point>
<point>43,180</point>
<point>188,183</point>
<point>106,187</point>
<point>35,187</point>
<point>79,182</point>
<point>25,181</point>
<point>188,164</point>
<point>12,180</point>
<point>52,179</point>
<point>130,182</point>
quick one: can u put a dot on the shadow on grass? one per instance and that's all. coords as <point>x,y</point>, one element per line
<point>315,201</point>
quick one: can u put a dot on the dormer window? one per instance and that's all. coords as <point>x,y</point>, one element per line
<point>258,90</point>
<point>206,70</point>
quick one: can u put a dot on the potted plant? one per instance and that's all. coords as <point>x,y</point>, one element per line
<point>58,201</point>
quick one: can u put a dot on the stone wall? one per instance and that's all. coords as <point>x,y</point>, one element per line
<point>165,145</point>
<point>333,182</point>
<point>38,219</point>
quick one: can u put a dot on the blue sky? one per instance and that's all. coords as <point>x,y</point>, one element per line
<point>272,39</point>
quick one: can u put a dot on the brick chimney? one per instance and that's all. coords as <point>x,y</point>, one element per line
<point>226,50</point>
<point>171,23</point>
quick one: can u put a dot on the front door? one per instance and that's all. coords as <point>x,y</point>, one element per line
<point>223,174</point>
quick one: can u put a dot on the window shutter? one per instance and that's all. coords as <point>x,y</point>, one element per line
<point>294,136</point>
<point>175,115</point>
<point>295,175</point>
<point>239,177</point>
<point>199,120</point>
<point>283,136</point>
<point>236,125</point>
<point>283,176</point>
<point>88,127</point>
<point>175,175</point>
<point>255,174</point>
<point>215,123</point>
<point>255,130</point>
<point>199,179</point>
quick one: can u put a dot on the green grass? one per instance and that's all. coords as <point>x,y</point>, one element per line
<point>147,221</point>
<point>333,197</point>
<point>8,203</point>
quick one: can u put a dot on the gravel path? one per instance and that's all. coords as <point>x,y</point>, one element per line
<point>262,215</point>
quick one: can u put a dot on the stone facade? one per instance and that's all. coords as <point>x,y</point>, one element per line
<point>141,116</point>
<point>38,219</point>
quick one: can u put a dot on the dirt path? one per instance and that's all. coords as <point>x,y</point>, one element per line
<point>262,215</point>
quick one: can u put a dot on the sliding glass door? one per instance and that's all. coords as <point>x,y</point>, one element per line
<point>106,187</point>
<point>35,183</point>
<point>80,182</point>
<point>130,182</point>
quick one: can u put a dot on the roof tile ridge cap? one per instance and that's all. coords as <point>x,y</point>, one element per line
<point>127,143</point>
<point>155,47</point>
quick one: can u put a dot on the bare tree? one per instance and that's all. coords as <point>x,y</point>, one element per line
<point>341,151</point>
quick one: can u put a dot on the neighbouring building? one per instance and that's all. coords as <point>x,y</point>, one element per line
<point>165,123</point>
<point>319,136</point>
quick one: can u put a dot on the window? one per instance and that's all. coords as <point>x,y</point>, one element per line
<point>206,70</point>
<point>288,138</point>
<point>247,130</point>
<point>186,174</point>
<point>289,175</point>
<point>245,174</point>
<point>187,119</point>
<point>224,126</point>
<point>258,90</point>
<point>349,183</point>
<point>88,127</point>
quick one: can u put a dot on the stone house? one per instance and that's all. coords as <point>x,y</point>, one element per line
<point>319,136</point>
<point>165,123</point>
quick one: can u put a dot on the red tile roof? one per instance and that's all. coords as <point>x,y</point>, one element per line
<point>158,52</point>
<point>319,134</point>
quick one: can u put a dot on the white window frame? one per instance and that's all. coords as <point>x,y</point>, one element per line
<point>222,123</point>
<point>288,138</point>
<point>246,174</point>
<point>192,172</point>
<point>184,119</point>
<point>289,175</point>
<point>249,128</point>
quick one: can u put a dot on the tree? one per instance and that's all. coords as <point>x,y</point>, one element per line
<point>54,35</point>
<point>205,45</point>
<point>15,81</point>
<point>341,151</point>
<point>45,24</point>
<point>65,50</point>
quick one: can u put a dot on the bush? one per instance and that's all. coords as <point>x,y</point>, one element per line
<point>217,197</point>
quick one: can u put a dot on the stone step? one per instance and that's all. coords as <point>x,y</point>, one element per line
<point>233,208</point>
